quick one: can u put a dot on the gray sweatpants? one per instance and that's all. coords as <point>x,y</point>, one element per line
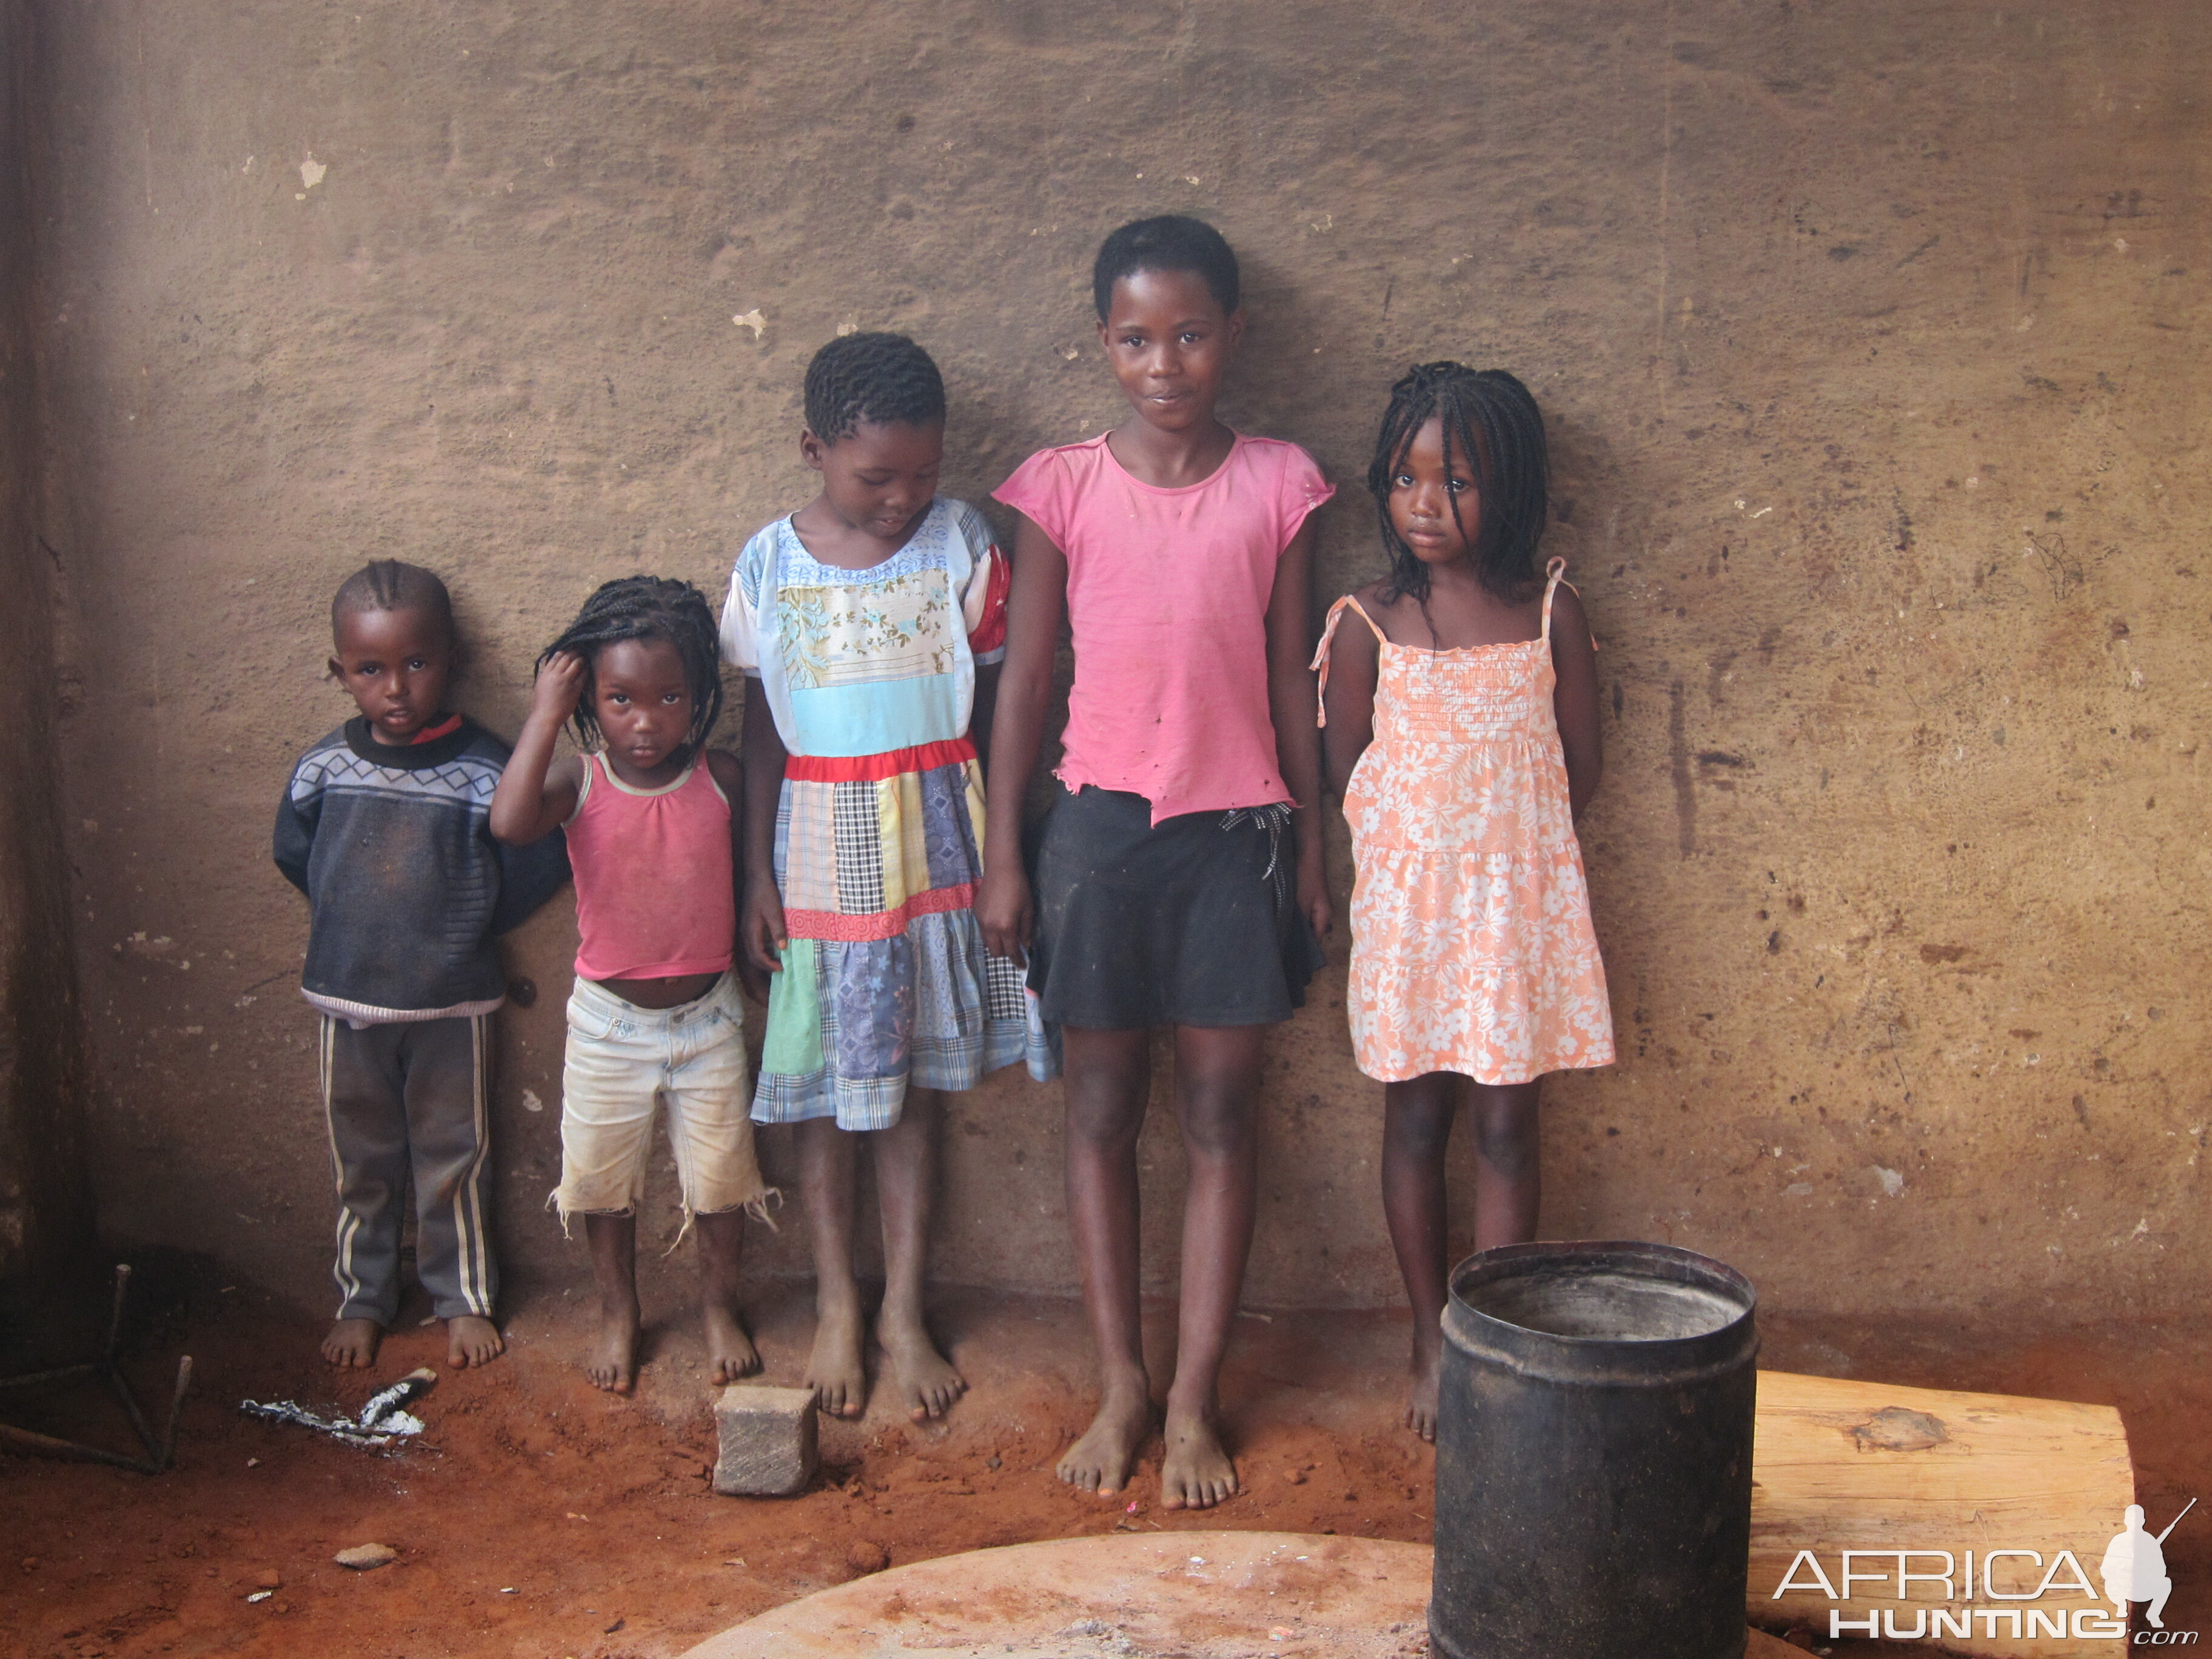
<point>401,1098</point>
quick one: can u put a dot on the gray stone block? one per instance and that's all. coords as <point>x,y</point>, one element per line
<point>767,1435</point>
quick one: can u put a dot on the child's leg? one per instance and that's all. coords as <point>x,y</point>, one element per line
<point>608,1081</point>
<point>1417,1121</point>
<point>364,1100</point>
<point>1507,1169</point>
<point>1108,1080</point>
<point>1217,1086</point>
<point>613,1239</point>
<point>448,1067</point>
<point>730,1351</point>
<point>905,1182</point>
<point>710,1129</point>
<point>826,1182</point>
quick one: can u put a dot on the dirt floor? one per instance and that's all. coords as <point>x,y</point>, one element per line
<point>538,1518</point>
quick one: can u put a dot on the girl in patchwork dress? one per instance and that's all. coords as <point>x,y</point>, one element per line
<point>1461,725</point>
<point>873,620</point>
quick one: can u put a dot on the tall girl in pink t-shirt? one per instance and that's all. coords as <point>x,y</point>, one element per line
<point>1180,880</point>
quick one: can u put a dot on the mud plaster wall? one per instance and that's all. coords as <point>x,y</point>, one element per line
<point>1870,338</point>
<point>46,1210</point>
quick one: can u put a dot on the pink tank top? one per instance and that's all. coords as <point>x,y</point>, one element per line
<point>656,894</point>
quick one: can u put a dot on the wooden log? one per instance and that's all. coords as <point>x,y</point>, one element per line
<point>1844,1466</point>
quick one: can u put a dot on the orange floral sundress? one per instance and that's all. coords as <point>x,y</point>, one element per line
<point>1472,948</point>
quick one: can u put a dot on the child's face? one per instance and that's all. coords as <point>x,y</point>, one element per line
<point>396,665</point>
<point>643,701</point>
<point>881,477</point>
<point>1425,492</point>
<point>1170,343</point>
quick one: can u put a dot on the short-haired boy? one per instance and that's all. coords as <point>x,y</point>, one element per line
<point>384,827</point>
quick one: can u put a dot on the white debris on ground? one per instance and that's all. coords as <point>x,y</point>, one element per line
<point>378,1424</point>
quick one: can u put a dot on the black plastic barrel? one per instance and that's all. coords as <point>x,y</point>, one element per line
<point>1593,1455</point>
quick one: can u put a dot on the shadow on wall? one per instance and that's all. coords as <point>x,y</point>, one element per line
<point>46,1210</point>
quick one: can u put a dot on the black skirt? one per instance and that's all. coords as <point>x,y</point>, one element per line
<point>1192,922</point>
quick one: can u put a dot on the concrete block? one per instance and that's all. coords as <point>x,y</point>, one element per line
<point>767,1436</point>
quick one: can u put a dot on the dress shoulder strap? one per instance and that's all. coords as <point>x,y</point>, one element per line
<point>1554,573</point>
<point>1320,664</point>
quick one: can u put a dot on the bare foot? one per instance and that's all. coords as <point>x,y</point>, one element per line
<point>834,1370</point>
<point>1421,1394</point>
<point>730,1352</point>
<point>472,1341</point>
<point>1196,1473</point>
<point>925,1377</point>
<point>351,1343</point>
<point>1101,1460</point>
<point>613,1362</point>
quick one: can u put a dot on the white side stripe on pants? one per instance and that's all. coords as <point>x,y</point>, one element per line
<point>470,1232</point>
<point>350,1284</point>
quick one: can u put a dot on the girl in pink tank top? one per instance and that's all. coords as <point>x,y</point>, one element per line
<point>649,812</point>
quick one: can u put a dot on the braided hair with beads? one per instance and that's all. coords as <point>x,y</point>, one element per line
<point>646,608</point>
<point>1493,429</point>
<point>879,379</point>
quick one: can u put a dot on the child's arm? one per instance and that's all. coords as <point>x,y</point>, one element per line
<point>1574,697</point>
<point>528,803</point>
<point>728,772</point>
<point>986,707</point>
<point>528,876</point>
<point>1290,698</point>
<point>761,932</point>
<point>294,839</point>
<point>1035,609</point>
<point>1353,663</point>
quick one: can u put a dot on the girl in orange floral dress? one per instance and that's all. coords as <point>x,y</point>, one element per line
<point>1461,728</point>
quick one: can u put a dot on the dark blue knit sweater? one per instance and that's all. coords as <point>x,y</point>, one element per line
<point>406,889</point>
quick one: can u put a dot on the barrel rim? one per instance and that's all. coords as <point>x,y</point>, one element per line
<point>1719,1274</point>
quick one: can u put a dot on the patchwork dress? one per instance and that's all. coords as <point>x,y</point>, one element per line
<point>1472,948</point>
<point>871,676</point>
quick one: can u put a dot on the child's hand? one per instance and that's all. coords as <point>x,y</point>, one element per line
<point>1004,911</point>
<point>560,687</point>
<point>762,935</point>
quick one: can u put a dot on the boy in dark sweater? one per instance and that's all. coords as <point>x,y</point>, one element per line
<point>383,827</point>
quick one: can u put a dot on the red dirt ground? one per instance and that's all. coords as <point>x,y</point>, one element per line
<point>538,1518</point>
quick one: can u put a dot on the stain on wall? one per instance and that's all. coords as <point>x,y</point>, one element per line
<point>1865,337</point>
<point>46,1200</point>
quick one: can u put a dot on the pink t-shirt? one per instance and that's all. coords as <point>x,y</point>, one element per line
<point>1167,599</point>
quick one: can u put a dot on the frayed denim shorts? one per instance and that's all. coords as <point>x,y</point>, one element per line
<point>623,1060</point>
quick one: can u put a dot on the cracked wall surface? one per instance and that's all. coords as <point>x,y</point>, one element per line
<point>1865,336</point>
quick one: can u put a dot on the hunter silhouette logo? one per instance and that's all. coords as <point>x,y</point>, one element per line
<point>2135,1566</point>
<point>2003,1594</point>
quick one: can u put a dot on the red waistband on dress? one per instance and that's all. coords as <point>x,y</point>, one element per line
<point>867,769</point>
